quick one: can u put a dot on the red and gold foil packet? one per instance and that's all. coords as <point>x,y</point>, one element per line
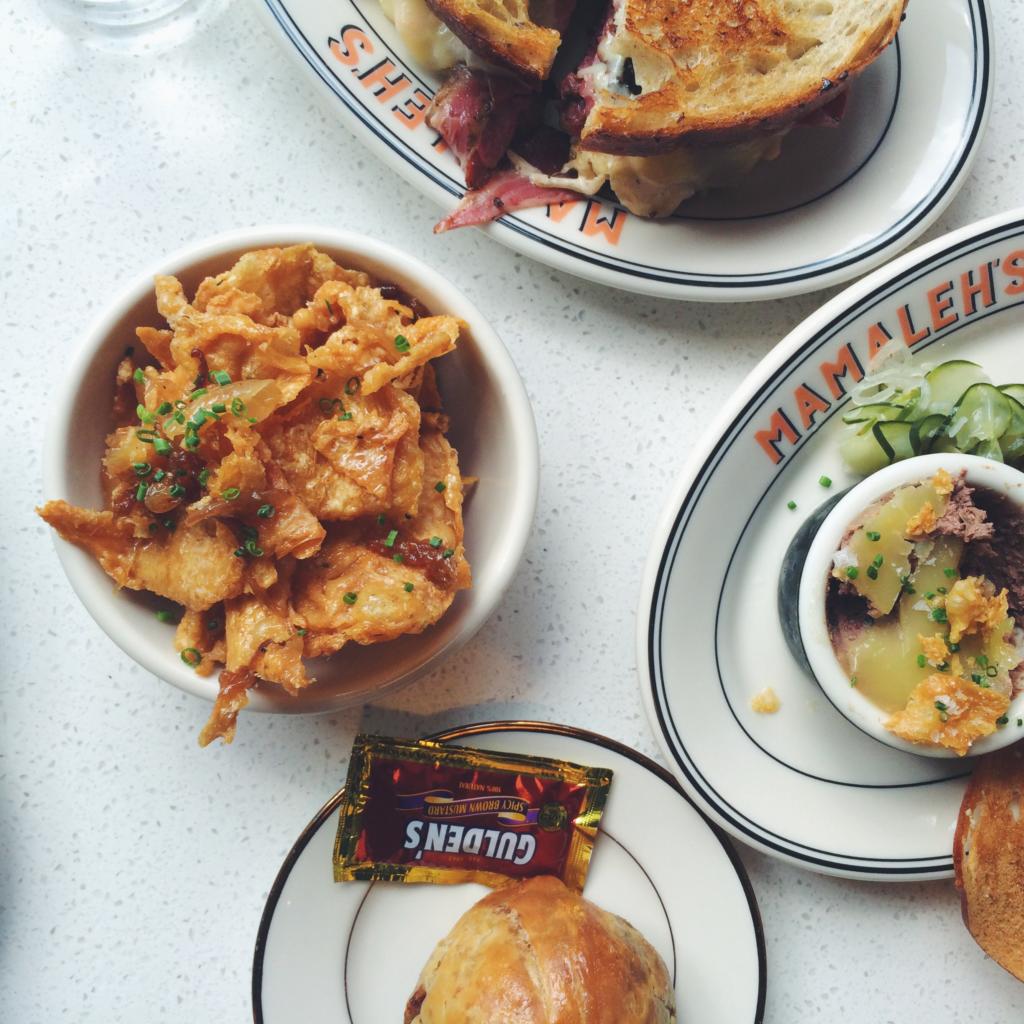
<point>421,811</point>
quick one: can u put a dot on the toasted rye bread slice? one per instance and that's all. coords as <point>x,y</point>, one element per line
<point>502,32</point>
<point>715,70</point>
<point>988,853</point>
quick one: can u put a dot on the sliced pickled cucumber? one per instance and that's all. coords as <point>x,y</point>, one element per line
<point>862,453</point>
<point>983,413</point>
<point>873,413</point>
<point>927,430</point>
<point>896,439</point>
<point>949,381</point>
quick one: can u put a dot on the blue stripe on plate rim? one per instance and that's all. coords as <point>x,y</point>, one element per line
<point>918,265</point>
<point>381,134</point>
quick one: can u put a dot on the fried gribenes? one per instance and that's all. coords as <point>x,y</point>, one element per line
<point>279,468</point>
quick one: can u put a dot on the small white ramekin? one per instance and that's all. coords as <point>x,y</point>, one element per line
<point>814,632</point>
<point>492,427</point>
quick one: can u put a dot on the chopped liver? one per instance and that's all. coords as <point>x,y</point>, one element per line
<point>991,556</point>
<point>965,517</point>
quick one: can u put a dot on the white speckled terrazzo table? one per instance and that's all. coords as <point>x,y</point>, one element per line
<point>135,866</point>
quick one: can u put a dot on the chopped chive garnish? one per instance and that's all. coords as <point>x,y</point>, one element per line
<point>352,385</point>
<point>191,656</point>
<point>177,491</point>
<point>266,511</point>
<point>380,518</point>
<point>991,671</point>
<point>399,558</point>
<point>142,468</point>
<point>943,590</point>
<point>408,588</point>
<point>402,343</point>
<point>872,572</point>
<point>435,542</point>
<point>139,377</point>
<point>300,631</point>
<point>1002,720</point>
<point>221,377</point>
<point>982,660</point>
<point>230,493</point>
<point>938,615</point>
<point>853,680</point>
<point>192,441</point>
<point>873,535</point>
<point>164,408</point>
<point>144,414</point>
<point>950,573</point>
<point>929,595</point>
<point>878,561</point>
<point>159,475</point>
<point>448,552</point>
<point>198,393</point>
<point>791,505</point>
<point>237,406</point>
<point>825,481</point>
<point>942,707</point>
<point>146,436</point>
<point>852,572</point>
<point>953,648</point>
<point>440,486</point>
<point>921,661</point>
<point>161,445</point>
<point>389,540</point>
<point>166,616</point>
<point>976,678</point>
<point>218,407</point>
<point>140,491</point>
<point>252,548</point>
<point>204,475</point>
<point>179,417</point>
<point>350,598</point>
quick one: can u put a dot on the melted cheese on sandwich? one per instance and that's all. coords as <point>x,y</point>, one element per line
<point>654,186</point>
<point>431,43</point>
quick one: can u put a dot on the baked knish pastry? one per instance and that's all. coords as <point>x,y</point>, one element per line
<point>988,852</point>
<point>536,953</point>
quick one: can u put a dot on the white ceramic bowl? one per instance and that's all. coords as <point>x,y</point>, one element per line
<point>492,427</point>
<point>814,633</point>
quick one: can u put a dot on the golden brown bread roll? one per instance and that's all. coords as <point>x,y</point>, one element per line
<point>535,953</point>
<point>988,851</point>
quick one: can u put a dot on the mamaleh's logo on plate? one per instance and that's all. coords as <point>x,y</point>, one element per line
<point>385,80</point>
<point>942,305</point>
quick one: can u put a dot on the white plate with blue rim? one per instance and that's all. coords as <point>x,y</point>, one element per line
<point>657,862</point>
<point>805,784</point>
<point>838,202</point>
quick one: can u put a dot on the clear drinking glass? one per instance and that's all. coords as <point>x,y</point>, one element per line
<point>128,25</point>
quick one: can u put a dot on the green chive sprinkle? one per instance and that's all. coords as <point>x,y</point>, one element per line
<point>872,572</point>
<point>266,511</point>
<point>938,615</point>
<point>164,408</point>
<point>448,552</point>
<point>1002,720</point>
<point>940,706</point>
<point>380,518</point>
<point>237,406</point>
<point>161,445</point>
<point>825,481</point>
<point>140,491</point>
<point>252,548</point>
<point>389,540</point>
<point>218,407</point>
<point>300,631</point>
<point>435,542</point>
<point>440,486</point>
<point>408,588</point>
<point>352,385</point>
<point>976,678</point>
<point>146,436</point>
<point>853,680</point>
<point>230,493</point>
<point>192,441</point>
<point>142,468</point>
<point>878,561</point>
<point>921,661</point>
<point>221,377</point>
<point>345,416</point>
<point>873,535</point>
<point>191,656</point>
<point>402,343</point>
<point>852,572</point>
<point>177,491</point>
<point>950,573</point>
<point>159,475</point>
<point>953,648</point>
<point>198,393</point>
<point>943,590</point>
<point>791,505</point>
<point>204,475</point>
<point>929,595</point>
<point>991,671</point>
<point>350,598</point>
<point>399,558</point>
<point>166,616</point>
<point>144,414</point>
<point>982,660</point>
<point>139,377</point>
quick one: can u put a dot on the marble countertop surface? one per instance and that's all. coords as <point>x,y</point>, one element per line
<point>134,865</point>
